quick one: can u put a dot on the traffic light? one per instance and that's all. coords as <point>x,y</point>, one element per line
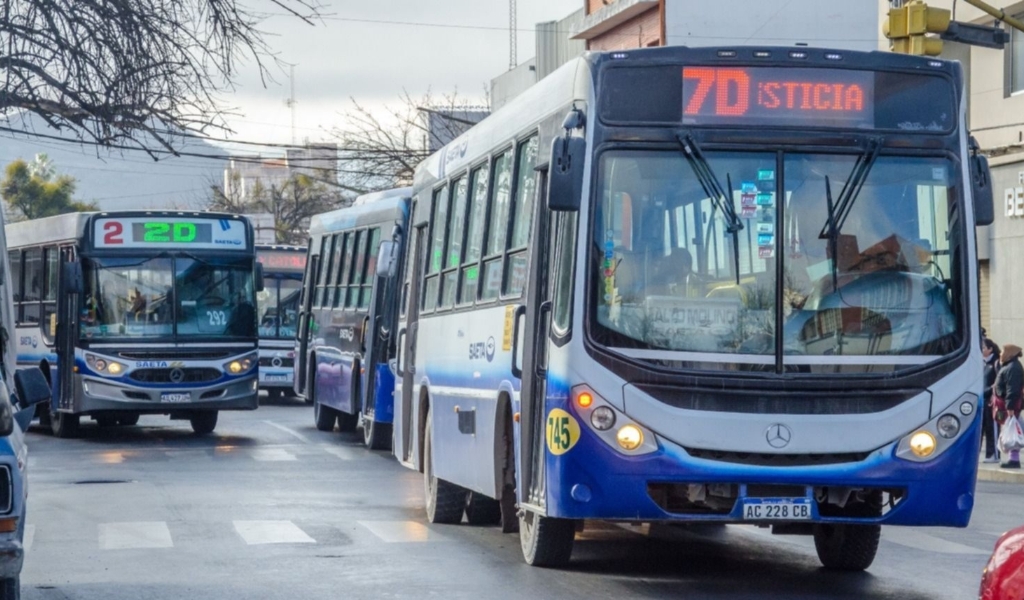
<point>908,27</point>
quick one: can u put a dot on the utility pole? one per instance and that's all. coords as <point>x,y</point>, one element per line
<point>291,101</point>
<point>512,62</point>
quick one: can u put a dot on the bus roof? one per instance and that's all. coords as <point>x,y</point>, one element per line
<point>389,206</point>
<point>71,226</point>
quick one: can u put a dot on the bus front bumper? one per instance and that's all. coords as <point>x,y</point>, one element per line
<point>593,481</point>
<point>12,556</point>
<point>93,394</point>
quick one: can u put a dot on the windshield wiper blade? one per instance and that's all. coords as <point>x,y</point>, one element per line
<point>851,190</point>
<point>721,199</point>
<point>833,233</point>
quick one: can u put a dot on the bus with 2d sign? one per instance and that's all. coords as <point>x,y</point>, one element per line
<point>278,308</point>
<point>731,285</point>
<point>346,339</point>
<point>137,313</point>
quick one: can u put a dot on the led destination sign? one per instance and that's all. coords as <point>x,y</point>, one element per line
<point>772,96</point>
<point>162,232</point>
<point>282,260</point>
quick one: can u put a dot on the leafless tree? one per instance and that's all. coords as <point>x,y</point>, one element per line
<point>292,203</point>
<point>113,71</point>
<point>381,150</point>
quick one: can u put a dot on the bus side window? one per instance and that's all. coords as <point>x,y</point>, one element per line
<point>565,255</point>
<point>357,257</point>
<point>342,242</point>
<point>522,217</point>
<point>432,261</point>
<point>52,262</point>
<point>474,235</point>
<point>16,283</point>
<point>497,228</point>
<point>453,254</point>
<point>33,284</point>
<point>326,250</point>
<point>370,272</point>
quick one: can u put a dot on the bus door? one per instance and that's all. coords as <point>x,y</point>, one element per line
<point>66,330</point>
<point>406,364</point>
<point>378,330</point>
<point>305,316</point>
<point>532,344</point>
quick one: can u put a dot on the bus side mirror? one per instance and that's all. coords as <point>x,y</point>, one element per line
<point>71,273</point>
<point>31,387</point>
<point>386,259</point>
<point>981,188</point>
<point>259,277</point>
<point>565,177</point>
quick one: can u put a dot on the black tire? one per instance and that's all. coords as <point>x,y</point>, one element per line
<point>376,436</point>
<point>445,501</point>
<point>10,589</point>
<point>273,394</point>
<point>481,510</point>
<point>288,392</point>
<point>64,425</point>
<point>106,421</point>
<point>128,420</point>
<point>324,416</point>
<point>204,423</point>
<point>546,541</point>
<point>847,547</point>
<point>347,423</point>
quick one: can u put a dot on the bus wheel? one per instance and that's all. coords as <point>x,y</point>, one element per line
<point>129,419</point>
<point>481,510</point>
<point>445,501</point>
<point>64,425</point>
<point>273,394</point>
<point>847,547</point>
<point>546,541</point>
<point>347,422</point>
<point>376,436</point>
<point>204,422</point>
<point>324,416</point>
<point>10,588</point>
<point>106,421</point>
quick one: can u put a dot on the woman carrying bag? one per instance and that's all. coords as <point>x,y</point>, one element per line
<point>1010,387</point>
<point>990,352</point>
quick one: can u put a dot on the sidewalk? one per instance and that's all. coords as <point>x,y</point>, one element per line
<point>992,472</point>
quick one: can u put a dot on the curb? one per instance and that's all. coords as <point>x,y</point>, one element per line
<point>1001,475</point>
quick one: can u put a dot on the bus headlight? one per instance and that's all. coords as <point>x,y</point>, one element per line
<point>240,365</point>
<point>922,444</point>
<point>948,426</point>
<point>610,424</point>
<point>629,437</point>
<point>104,366</point>
<point>603,418</point>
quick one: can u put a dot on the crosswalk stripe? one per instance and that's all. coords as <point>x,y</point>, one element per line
<point>271,532</point>
<point>402,531</point>
<point>272,454</point>
<point>143,534</point>
<point>289,431</point>
<point>345,453</point>
<point>917,539</point>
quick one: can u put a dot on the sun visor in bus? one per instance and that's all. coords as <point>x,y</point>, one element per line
<point>72,275</point>
<point>565,180</point>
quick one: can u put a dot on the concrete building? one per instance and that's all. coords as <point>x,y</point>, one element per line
<point>245,172</point>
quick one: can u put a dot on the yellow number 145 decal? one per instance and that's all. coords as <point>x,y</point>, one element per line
<point>563,431</point>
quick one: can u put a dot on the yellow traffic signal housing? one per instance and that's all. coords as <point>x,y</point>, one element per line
<point>908,28</point>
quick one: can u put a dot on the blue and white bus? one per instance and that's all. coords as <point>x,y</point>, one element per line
<point>132,313</point>
<point>278,308</point>
<point>346,339</point>
<point>719,284</point>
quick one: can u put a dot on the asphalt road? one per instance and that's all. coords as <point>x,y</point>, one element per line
<point>268,507</point>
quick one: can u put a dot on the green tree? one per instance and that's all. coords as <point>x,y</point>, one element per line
<point>33,190</point>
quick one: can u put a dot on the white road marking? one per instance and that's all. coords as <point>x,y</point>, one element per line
<point>144,534</point>
<point>289,431</point>
<point>271,532</point>
<point>30,536</point>
<point>272,454</point>
<point>346,453</point>
<point>402,531</point>
<point>917,539</point>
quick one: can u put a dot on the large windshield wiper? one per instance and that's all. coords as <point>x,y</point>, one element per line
<point>840,209</point>
<point>721,199</point>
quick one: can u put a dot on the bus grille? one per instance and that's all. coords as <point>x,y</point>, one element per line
<point>777,460</point>
<point>178,354</point>
<point>268,361</point>
<point>191,375</point>
<point>787,402</point>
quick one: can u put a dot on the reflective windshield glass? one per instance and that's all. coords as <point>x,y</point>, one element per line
<point>215,297</point>
<point>278,306</point>
<point>127,298</point>
<point>670,275</point>
<point>667,269</point>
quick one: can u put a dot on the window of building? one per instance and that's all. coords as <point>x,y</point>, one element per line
<point>1015,58</point>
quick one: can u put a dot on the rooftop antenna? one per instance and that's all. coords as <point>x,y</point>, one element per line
<point>512,63</point>
<point>291,101</point>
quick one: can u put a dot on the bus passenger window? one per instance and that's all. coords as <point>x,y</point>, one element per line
<point>370,273</point>
<point>522,214</point>
<point>497,226</point>
<point>474,236</point>
<point>15,257</point>
<point>34,275</point>
<point>453,257</point>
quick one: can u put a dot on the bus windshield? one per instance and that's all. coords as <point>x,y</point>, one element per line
<point>278,306</point>
<point>884,281</point>
<point>165,297</point>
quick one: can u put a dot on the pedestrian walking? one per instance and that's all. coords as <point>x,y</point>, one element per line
<point>1010,387</point>
<point>990,354</point>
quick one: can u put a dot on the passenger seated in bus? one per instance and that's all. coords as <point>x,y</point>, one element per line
<point>672,275</point>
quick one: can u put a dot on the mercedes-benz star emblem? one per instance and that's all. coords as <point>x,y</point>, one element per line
<point>177,375</point>
<point>276,361</point>
<point>778,435</point>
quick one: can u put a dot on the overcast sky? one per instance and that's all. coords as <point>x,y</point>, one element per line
<point>347,57</point>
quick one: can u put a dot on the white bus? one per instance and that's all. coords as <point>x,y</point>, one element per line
<point>717,284</point>
<point>131,313</point>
